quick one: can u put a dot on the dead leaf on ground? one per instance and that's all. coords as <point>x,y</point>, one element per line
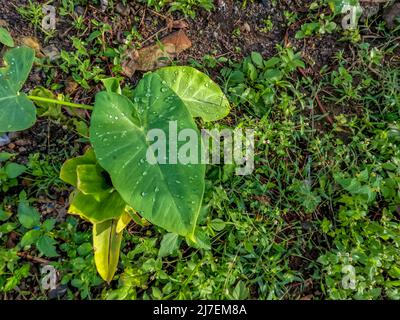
<point>157,55</point>
<point>176,24</point>
<point>33,43</point>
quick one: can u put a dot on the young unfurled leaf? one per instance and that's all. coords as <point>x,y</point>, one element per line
<point>106,244</point>
<point>94,200</point>
<point>17,112</point>
<point>112,85</point>
<point>90,180</point>
<point>68,170</point>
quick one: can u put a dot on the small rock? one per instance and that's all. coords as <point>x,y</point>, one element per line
<point>51,52</point>
<point>3,23</point>
<point>70,86</point>
<point>4,139</point>
<point>33,43</point>
<point>11,146</point>
<point>20,142</point>
<point>59,292</point>
<point>391,14</point>
<point>246,27</point>
<point>104,4</point>
<point>122,10</point>
<point>22,149</point>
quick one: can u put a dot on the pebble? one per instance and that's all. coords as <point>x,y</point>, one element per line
<point>22,149</point>
<point>11,146</point>
<point>20,142</point>
<point>51,52</point>
<point>58,293</point>
<point>4,139</point>
<point>3,23</point>
<point>246,27</point>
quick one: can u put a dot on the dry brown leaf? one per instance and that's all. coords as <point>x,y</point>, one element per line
<point>176,24</point>
<point>33,43</point>
<point>157,55</point>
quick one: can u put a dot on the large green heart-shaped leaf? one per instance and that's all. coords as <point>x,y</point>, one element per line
<point>17,112</point>
<point>168,195</point>
<point>202,96</point>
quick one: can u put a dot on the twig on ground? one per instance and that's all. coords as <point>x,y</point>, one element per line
<point>32,258</point>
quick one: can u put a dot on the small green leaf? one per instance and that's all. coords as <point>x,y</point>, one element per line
<point>27,215</point>
<point>240,292</point>
<point>7,227</point>
<point>4,215</point>
<point>84,249</point>
<point>30,237</point>
<point>169,244</point>
<point>4,156</point>
<point>48,225</point>
<point>271,62</point>
<point>201,240</point>
<point>5,38</point>
<point>217,224</point>
<point>14,170</point>
<point>257,59</point>
<point>46,246</point>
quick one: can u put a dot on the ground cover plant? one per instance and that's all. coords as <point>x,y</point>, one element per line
<point>317,218</point>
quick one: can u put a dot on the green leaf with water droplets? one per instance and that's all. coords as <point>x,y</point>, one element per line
<point>168,195</point>
<point>201,96</point>
<point>17,112</point>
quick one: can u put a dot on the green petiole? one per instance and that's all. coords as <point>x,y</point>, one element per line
<point>64,103</point>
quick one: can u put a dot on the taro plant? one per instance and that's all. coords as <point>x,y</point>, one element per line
<point>115,179</point>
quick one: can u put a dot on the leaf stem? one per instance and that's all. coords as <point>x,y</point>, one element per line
<point>64,103</point>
